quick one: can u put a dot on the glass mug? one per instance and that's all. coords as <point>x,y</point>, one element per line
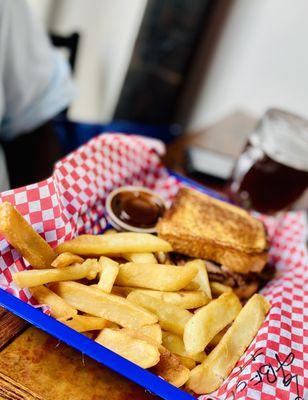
<point>272,172</point>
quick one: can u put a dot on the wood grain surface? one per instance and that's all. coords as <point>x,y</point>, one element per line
<point>13,390</point>
<point>38,365</point>
<point>10,326</point>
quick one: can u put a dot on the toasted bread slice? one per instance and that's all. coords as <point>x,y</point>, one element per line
<point>200,226</point>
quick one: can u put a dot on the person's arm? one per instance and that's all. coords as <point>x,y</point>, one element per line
<point>30,157</point>
<point>36,87</point>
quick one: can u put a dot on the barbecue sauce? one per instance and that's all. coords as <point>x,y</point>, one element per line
<point>137,208</point>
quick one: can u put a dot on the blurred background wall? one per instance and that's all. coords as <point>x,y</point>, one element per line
<point>260,58</point>
<point>107,31</point>
<point>261,61</point>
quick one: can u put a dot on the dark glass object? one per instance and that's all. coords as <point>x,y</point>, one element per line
<point>272,172</point>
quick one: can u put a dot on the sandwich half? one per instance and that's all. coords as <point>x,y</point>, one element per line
<point>200,226</point>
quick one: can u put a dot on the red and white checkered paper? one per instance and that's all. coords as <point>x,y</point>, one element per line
<point>72,202</point>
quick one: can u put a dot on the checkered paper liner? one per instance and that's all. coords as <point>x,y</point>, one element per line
<point>72,202</point>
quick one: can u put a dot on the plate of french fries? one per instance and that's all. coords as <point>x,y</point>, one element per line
<point>122,290</point>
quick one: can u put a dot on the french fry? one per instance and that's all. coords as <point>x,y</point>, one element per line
<point>110,232</point>
<point>175,344</point>
<point>32,278</point>
<point>97,303</point>
<point>113,325</point>
<point>161,257</point>
<point>138,351</point>
<point>218,288</point>
<point>122,291</point>
<point>155,276</point>
<point>187,362</point>
<point>201,280</point>
<point>140,258</point>
<point>168,260</point>
<point>84,323</point>
<point>58,307</point>
<point>123,242</point>
<point>208,376</point>
<point>152,331</point>
<point>20,234</point>
<point>217,338</point>
<point>139,335</point>
<point>170,368</point>
<point>209,320</point>
<point>94,267</point>
<point>66,259</point>
<point>108,274</point>
<point>90,334</point>
<point>171,318</point>
<point>184,299</point>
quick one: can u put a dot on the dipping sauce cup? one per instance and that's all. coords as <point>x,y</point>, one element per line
<point>134,208</point>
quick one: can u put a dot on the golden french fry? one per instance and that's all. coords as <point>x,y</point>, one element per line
<point>187,362</point>
<point>161,257</point>
<point>140,258</point>
<point>113,325</point>
<point>122,291</point>
<point>174,343</point>
<point>155,276</point>
<point>123,242</point>
<point>184,298</point>
<point>170,368</point>
<point>218,288</point>
<point>90,334</point>
<point>58,307</point>
<point>108,274</point>
<point>168,260</point>
<point>84,323</point>
<point>217,338</point>
<point>110,232</point>
<point>209,320</point>
<point>94,267</point>
<point>95,302</point>
<point>32,278</point>
<point>153,332</point>
<point>20,234</point>
<point>66,259</point>
<point>201,280</point>
<point>171,318</point>
<point>139,335</point>
<point>208,376</point>
<point>138,351</point>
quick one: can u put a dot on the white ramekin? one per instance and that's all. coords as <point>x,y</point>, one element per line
<point>119,224</point>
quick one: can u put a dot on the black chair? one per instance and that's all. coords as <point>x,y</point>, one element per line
<point>70,43</point>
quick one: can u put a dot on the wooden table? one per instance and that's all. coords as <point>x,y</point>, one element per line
<point>34,365</point>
